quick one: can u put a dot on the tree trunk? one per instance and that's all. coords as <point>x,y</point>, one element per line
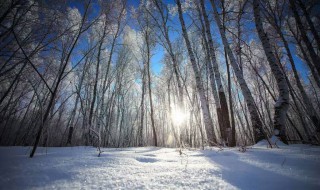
<point>214,74</point>
<point>140,131</point>
<point>282,104</point>
<point>314,57</point>
<point>255,119</point>
<point>310,23</point>
<point>309,107</point>
<point>56,86</point>
<point>204,103</point>
<point>151,109</point>
<point>149,86</point>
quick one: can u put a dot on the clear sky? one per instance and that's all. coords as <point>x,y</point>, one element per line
<point>158,52</point>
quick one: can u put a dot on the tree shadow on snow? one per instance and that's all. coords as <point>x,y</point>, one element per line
<point>252,172</point>
<point>47,170</point>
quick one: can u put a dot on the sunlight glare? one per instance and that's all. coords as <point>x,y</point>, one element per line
<point>178,116</point>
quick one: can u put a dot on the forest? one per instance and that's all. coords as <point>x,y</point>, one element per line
<point>163,73</point>
<point>160,94</point>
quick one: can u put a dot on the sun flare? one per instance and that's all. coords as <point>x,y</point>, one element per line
<point>178,116</point>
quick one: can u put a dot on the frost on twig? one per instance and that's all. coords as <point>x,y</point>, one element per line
<point>99,141</point>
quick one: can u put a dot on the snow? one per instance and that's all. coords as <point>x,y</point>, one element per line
<point>287,167</point>
<point>275,142</point>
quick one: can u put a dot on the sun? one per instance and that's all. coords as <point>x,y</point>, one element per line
<point>178,116</point>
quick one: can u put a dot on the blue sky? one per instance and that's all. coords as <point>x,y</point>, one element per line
<point>158,52</point>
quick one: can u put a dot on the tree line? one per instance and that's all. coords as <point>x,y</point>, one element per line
<point>233,72</point>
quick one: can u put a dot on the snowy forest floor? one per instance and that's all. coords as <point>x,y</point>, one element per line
<point>288,167</point>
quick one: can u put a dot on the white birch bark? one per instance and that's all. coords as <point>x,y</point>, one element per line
<point>255,119</point>
<point>204,103</point>
<point>222,106</point>
<point>282,104</point>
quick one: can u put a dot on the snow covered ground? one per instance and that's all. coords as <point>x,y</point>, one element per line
<point>289,167</point>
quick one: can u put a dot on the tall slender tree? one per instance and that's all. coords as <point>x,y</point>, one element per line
<point>204,102</point>
<point>255,119</point>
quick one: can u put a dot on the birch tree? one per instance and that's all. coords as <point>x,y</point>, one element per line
<point>204,103</point>
<point>255,119</point>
